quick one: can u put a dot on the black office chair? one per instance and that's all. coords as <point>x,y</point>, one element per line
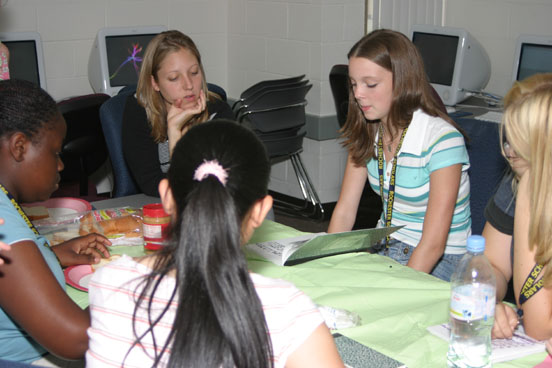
<point>278,116</point>
<point>111,116</point>
<point>84,149</point>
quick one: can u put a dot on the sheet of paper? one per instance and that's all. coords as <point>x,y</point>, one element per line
<point>503,350</point>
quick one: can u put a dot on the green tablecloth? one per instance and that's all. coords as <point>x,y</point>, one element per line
<point>396,303</point>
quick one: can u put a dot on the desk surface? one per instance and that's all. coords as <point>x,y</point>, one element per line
<point>396,303</point>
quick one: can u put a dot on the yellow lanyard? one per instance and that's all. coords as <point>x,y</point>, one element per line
<point>19,210</point>
<point>391,191</point>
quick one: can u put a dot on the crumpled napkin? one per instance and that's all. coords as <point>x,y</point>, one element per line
<point>337,319</point>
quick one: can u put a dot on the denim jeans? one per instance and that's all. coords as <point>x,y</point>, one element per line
<point>401,253</point>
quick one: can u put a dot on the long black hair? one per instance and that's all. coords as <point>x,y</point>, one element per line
<point>219,320</point>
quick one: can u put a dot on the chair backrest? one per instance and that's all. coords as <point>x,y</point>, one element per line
<point>275,98</point>
<point>215,88</point>
<point>84,149</point>
<point>487,166</point>
<point>276,120</point>
<point>111,116</point>
<point>268,83</point>
<point>339,84</point>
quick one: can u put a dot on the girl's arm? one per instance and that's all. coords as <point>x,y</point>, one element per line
<point>344,214</point>
<point>31,295</point>
<point>317,351</point>
<point>497,251</point>
<point>443,192</point>
<point>537,310</point>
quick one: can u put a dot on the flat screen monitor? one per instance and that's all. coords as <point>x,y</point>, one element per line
<point>533,55</point>
<point>116,57</point>
<point>455,62</point>
<point>26,56</point>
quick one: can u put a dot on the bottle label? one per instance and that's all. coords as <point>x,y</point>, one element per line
<point>472,302</point>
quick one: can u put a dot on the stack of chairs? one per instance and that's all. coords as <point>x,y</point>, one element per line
<point>275,111</point>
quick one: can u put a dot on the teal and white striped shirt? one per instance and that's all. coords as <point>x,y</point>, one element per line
<point>430,144</point>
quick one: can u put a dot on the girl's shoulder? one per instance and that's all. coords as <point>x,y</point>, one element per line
<point>122,268</point>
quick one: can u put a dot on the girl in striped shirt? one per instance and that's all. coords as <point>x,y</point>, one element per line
<point>411,152</point>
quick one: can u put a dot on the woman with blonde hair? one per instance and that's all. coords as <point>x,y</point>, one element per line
<point>499,215</point>
<point>526,131</point>
<point>171,97</point>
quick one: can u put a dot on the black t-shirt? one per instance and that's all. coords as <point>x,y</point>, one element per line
<point>141,151</point>
<point>499,212</point>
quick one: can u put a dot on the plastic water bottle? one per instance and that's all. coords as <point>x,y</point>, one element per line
<point>472,305</point>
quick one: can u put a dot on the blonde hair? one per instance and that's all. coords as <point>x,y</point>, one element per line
<point>159,47</point>
<point>519,90</point>
<point>527,123</point>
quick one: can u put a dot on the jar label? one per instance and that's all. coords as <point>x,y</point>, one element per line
<point>472,302</point>
<point>155,232</point>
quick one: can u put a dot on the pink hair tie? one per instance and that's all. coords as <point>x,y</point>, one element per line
<point>211,168</point>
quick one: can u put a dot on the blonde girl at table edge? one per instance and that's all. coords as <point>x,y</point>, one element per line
<point>171,97</point>
<point>390,93</point>
<point>526,131</point>
<point>224,316</point>
<point>37,318</point>
<point>499,226</point>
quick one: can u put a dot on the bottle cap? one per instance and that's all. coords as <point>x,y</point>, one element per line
<point>476,244</point>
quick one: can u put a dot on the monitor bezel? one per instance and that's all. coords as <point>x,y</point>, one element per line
<point>30,36</point>
<point>453,93</point>
<point>527,39</point>
<point>100,43</point>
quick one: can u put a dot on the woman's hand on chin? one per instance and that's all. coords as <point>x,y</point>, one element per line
<point>180,113</point>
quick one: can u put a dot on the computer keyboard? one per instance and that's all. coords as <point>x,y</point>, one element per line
<point>492,116</point>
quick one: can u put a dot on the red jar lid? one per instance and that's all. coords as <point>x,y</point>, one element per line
<point>154,210</point>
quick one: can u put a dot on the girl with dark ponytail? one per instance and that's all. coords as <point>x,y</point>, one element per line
<point>194,303</point>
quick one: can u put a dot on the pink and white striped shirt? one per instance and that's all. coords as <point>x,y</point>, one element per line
<point>291,316</point>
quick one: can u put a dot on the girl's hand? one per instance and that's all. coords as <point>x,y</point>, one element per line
<point>180,113</point>
<point>86,249</point>
<point>505,323</point>
<point>549,346</point>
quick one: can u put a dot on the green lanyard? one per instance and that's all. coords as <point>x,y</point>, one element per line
<point>391,191</point>
<point>19,210</point>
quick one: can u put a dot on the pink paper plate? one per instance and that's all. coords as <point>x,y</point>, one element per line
<point>61,206</point>
<point>78,276</point>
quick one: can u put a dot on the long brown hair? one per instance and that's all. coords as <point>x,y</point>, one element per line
<point>394,52</point>
<point>159,47</point>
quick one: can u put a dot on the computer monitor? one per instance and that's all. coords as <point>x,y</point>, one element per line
<point>26,56</point>
<point>533,55</point>
<point>456,64</point>
<point>116,56</point>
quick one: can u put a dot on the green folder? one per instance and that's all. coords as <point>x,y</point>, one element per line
<point>312,246</point>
